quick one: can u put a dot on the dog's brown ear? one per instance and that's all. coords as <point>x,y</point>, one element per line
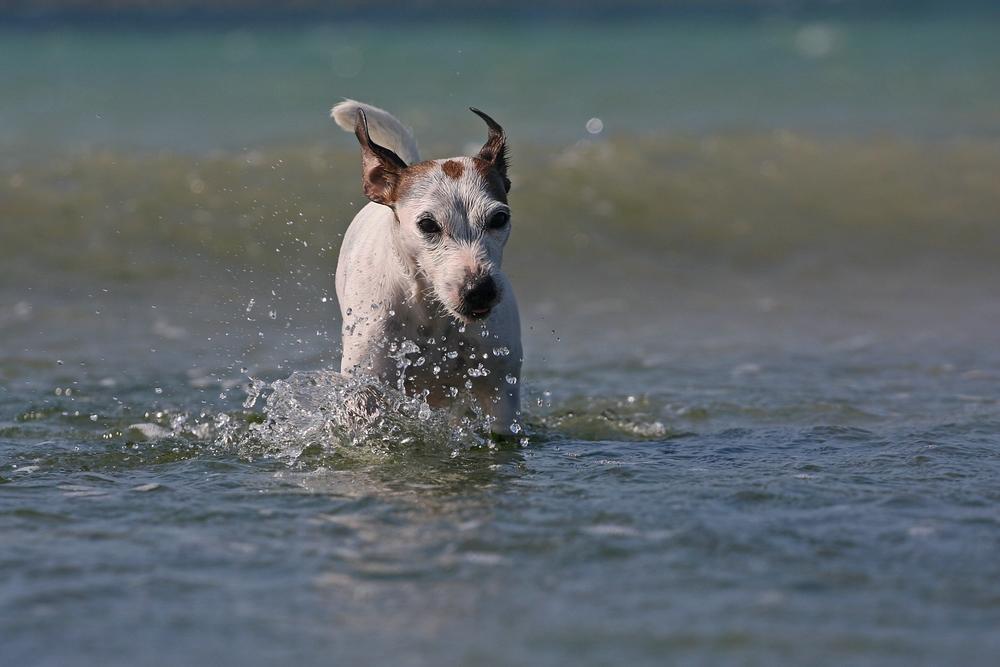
<point>381,168</point>
<point>494,152</point>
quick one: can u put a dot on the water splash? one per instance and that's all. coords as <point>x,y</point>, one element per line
<point>331,414</point>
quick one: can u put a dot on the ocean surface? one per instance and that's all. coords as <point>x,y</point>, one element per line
<point>757,264</point>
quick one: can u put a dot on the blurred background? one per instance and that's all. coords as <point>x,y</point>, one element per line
<point>755,247</point>
<point>782,140</point>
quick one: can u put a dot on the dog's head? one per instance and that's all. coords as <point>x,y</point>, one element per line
<point>452,215</point>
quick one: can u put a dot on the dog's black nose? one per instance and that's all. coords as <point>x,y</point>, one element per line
<point>480,296</point>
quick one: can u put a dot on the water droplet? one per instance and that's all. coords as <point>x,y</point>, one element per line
<point>436,370</point>
<point>273,314</point>
<point>451,355</point>
<point>419,362</point>
<point>500,351</point>
<point>484,333</point>
<point>511,379</point>
<point>350,311</point>
<point>461,328</point>
<point>250,305</point>
<point>392,313</point>
<point>158,390</point>
<point>515,428</point>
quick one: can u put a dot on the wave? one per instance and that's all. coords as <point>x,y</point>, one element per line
<point>755,198</point>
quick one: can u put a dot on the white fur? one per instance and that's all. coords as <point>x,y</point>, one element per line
<point>400,294</point>
<point>385,130</point>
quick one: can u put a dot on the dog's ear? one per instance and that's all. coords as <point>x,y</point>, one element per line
<point>494,151</point>
<point>381,168</point>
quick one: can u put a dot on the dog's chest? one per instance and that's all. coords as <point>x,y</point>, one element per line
<point>447,359</point>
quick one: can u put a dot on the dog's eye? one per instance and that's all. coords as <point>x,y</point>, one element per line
<point>428,226</point>
<point>499,220</point>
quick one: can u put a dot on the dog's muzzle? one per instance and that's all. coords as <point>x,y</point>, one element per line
<point>479,297</point>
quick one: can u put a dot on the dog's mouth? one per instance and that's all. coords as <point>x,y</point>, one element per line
<point>478,314</point>
<point>470,314</point>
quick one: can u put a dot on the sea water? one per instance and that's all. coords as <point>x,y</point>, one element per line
<point>757,269</point>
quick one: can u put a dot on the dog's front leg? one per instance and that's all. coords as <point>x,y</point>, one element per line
<point>502,404</point>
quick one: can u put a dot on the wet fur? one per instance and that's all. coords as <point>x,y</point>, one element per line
<point>405,295</point>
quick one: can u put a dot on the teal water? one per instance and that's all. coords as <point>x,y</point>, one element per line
<point>199,90</point>
<point>761,313</point>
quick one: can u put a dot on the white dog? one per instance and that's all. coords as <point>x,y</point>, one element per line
<point>424,302</point>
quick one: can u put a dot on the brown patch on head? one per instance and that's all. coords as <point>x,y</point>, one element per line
<point>413,175</point>
<point>453,169</point>
<point>496,184</point>
<point>420,169</point>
